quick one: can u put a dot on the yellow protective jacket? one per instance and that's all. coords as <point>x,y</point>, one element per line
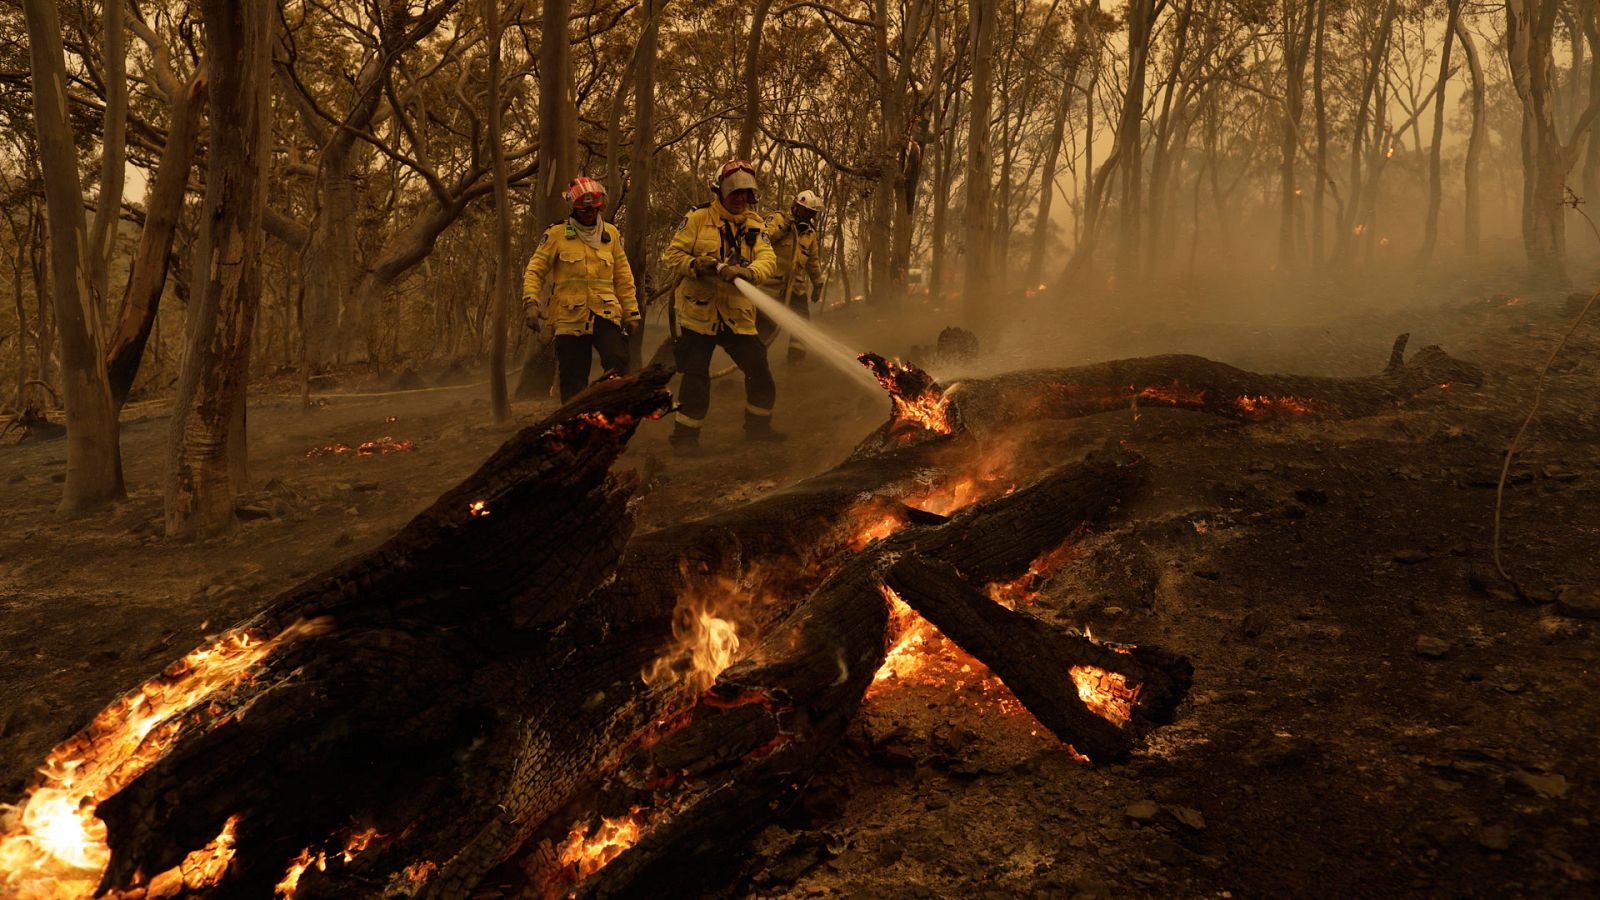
<point>584,281</point>
<point>711,232</point>
<point>796,253</point>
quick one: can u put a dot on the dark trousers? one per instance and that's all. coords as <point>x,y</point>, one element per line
<point>800,304</point>
<point>573,355</point>
<point>694,361</point>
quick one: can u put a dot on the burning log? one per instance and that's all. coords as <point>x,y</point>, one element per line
<point>1181,381</point>
<point>412,700</point>
<point>406,721</point>
<point>1114,693</point>
<point>754,738</point>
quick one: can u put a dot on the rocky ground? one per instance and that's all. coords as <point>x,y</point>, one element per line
<point>1373,713</point>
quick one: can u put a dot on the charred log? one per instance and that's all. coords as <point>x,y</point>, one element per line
<point>420,693</point>
<point>1034,660</point>
<point>1207,386</point>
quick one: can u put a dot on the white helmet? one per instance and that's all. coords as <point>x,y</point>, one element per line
<point>809,200</point>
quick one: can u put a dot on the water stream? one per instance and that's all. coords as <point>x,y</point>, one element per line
<point>818,342</point>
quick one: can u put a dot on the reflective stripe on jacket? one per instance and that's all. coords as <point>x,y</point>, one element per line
<point>711,232</point>
<point>584,281</point>
<point>796,253</point>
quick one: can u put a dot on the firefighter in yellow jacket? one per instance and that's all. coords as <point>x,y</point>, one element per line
<point>592,306</point>
<point>799,273</point>
<point>716,245</point>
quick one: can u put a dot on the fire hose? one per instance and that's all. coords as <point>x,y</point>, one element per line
<point>788,288</point>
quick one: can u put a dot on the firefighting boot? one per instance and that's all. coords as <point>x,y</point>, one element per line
<point>759,428</point>
<point>685,440</point>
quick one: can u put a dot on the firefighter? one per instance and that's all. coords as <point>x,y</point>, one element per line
<point>716,244</point>
<point>592,306</point>
<point>794,242</point>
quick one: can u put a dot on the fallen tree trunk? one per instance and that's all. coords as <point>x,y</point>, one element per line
<point>419,713</point>
<point>986,405</point>
<point>753,740</point>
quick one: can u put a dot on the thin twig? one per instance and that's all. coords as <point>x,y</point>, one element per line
<point>1533,410</point>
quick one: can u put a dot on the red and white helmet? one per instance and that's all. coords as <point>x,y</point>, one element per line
<point>809,200</point>
<point>736,175</point>
<point>585,193</point>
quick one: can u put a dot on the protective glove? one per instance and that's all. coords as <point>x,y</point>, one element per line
<point>816,294</point>
<point>703,266</point>
<point>530,314</point>
<point>628,325</point>
<point>729,273</point>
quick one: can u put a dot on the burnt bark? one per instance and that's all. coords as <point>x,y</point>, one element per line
<point>206,442</point>
<point>1203,385</point>
<point>147,277</point>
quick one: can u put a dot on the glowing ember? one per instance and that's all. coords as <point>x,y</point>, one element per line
<point>587,851</point>
<point>200,869</point>
<point>478,509</point>
<point>1022,591</point>
<point>1262,406</point>
<point>1105,693</point>
<point>381,447</point>
<point>53,845</point>
<point>353,844</point>
<point>1175,394</point>
<point>1035,291</point>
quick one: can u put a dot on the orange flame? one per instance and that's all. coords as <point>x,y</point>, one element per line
<point>705,642</point>
<point>1263,406</point>
<point>478,509</point>
<point>354,844</point>
<point>54,846</point>
<point>381,447</point>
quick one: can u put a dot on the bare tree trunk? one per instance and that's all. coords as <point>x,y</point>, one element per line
<point>1546,158</point>
<point>1591,164</point>
<point>1319,102</point>
<point>113,149</point>
<point>147,277</point>
<point>499,403</point>
<point>558,145</point>
<point>752,80</point>
<point>1375,65</point>
<point>944,149</point>
<point>642,162</point>
<point>1047,180</point>
<point>1430,232</point>
<point>1296,40</point>
<point>207,439</point>
<point>94,459</point>
<point>1472,223</point>
<point>980,165</point>
<point>1129,143</point>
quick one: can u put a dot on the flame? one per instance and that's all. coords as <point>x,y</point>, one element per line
<point>54,846</point>
<point>200,869</point>
<point>705,642</point>
<point>587,851</point>
<point>381,447</point>
<point>921,654</point>
<point>354,843</point>
<point>418,873</point>
<point>478,509</point>
<point>1105,693</point>
<point>1358,229</point>
<point>1023,590</point>
<point>1263,406</point>
<point>1036,290</point>
<point>1383,242</point>
<point>913,394</point>
<point>1389,153</point>
<point>1175,394</point>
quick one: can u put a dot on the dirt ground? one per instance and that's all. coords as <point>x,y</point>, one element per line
<point>1371,714</point>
